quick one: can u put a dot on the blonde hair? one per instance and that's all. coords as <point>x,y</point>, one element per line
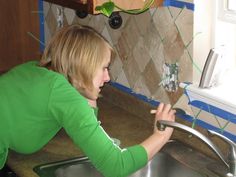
<point>76,52</point>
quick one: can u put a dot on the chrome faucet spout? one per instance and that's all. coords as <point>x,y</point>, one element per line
<point>162,124</point>
<point>232,152</point>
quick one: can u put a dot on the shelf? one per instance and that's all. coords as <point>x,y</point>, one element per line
<point>82,5</point>
<point>90,5</point>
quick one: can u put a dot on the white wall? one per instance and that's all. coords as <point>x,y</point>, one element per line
<point>203,24</point>
<point>211,32</point>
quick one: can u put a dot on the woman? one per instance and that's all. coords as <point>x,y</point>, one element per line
<point>38,99</point>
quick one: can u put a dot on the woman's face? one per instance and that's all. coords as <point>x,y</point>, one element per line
<point>102,74</point>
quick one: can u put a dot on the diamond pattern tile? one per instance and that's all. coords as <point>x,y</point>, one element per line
<point>115,68</point>
<point>98,22</point>
<point>69,15</point>
<point>123,79</point>
<point>151,77</point>
<point>141,54</point>
<point>141,88</point>
<point>143,44</point>
<point>163,21</point>
<point>131,32</point>
<point>185,72</point>
<point>161,94</point>
<point>184,25</point>
<point>173,46</point>
<point>131,70</point>
<point>46,7</point>
<point>144,18</point>
<point>123,48</point>
<point>152,40</point>
<point>51,21</point>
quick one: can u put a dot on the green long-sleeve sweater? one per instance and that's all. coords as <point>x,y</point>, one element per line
<point>35,103</point>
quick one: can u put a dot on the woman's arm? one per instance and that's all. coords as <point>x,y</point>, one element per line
<point>159,138</point>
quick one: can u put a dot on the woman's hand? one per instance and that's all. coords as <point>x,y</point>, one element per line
<point>164,112</point>
<point>159,138</point>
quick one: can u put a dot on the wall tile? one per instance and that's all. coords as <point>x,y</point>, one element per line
<point>82,21</point>
<point>161,95</point>
<point>122,79</point>
<point>97,22</point>
<point>143,43</point>
<point>173,46</point>
<point>69,15</point>
<point>131,70</point>
<point>185,72</point>
<point>174,12</point>
<point>159,59</point>
<point>106,34</point>
<point>115,68</point>
<point>143,20</point>
<point>141,88</point>
<point>174,96</point>
<point>46,7</point>
<point>152,40</point>
<point>65,21</point>
<point>163,21</point>
<point>123,48</point>
<point>131,32</point>
<point>47,34</point>
<point>114,34</point>
<point>151,77</point>
<point>141,54</point>
<point>51,21</point>
<point>184,24</point>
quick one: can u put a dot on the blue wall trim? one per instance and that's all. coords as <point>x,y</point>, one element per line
<point>41,26</point>
<point>139,96</point>
<point>182,116</point>
<point>179,4</point>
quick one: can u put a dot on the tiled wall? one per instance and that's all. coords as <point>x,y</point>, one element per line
<point>144,43</point>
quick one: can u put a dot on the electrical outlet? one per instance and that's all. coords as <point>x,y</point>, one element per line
<point>170,77</point>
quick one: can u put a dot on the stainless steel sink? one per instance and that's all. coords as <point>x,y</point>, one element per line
<point>169,162</point>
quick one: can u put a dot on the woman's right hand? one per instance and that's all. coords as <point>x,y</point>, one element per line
<point>164,112</point>
<point>159,138</point>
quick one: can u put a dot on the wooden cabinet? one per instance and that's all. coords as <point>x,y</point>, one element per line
<point>18,18</point>
<point>90,5</point>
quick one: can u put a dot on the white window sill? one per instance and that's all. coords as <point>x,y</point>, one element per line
<point>220,100</point>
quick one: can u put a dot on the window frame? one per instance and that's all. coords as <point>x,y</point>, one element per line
<point>225,12</point>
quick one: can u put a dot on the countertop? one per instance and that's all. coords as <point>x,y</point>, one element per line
<point>123,117</point>
<point>113,120</point>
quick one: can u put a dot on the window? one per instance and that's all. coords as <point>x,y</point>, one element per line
<point>225,28</point>
<point>227,10</point>
<point>231,5</point>
<point>215,22</point>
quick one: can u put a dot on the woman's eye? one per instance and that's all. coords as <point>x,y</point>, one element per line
<point>107,68</point>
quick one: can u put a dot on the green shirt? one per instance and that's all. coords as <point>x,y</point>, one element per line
<point>35,103</point>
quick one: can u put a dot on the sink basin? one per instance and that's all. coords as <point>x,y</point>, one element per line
<point>162,165</point>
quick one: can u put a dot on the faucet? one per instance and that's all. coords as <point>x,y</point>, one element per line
<point>231,165</point>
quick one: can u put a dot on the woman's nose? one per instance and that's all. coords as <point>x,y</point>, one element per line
<point>106,77</point>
